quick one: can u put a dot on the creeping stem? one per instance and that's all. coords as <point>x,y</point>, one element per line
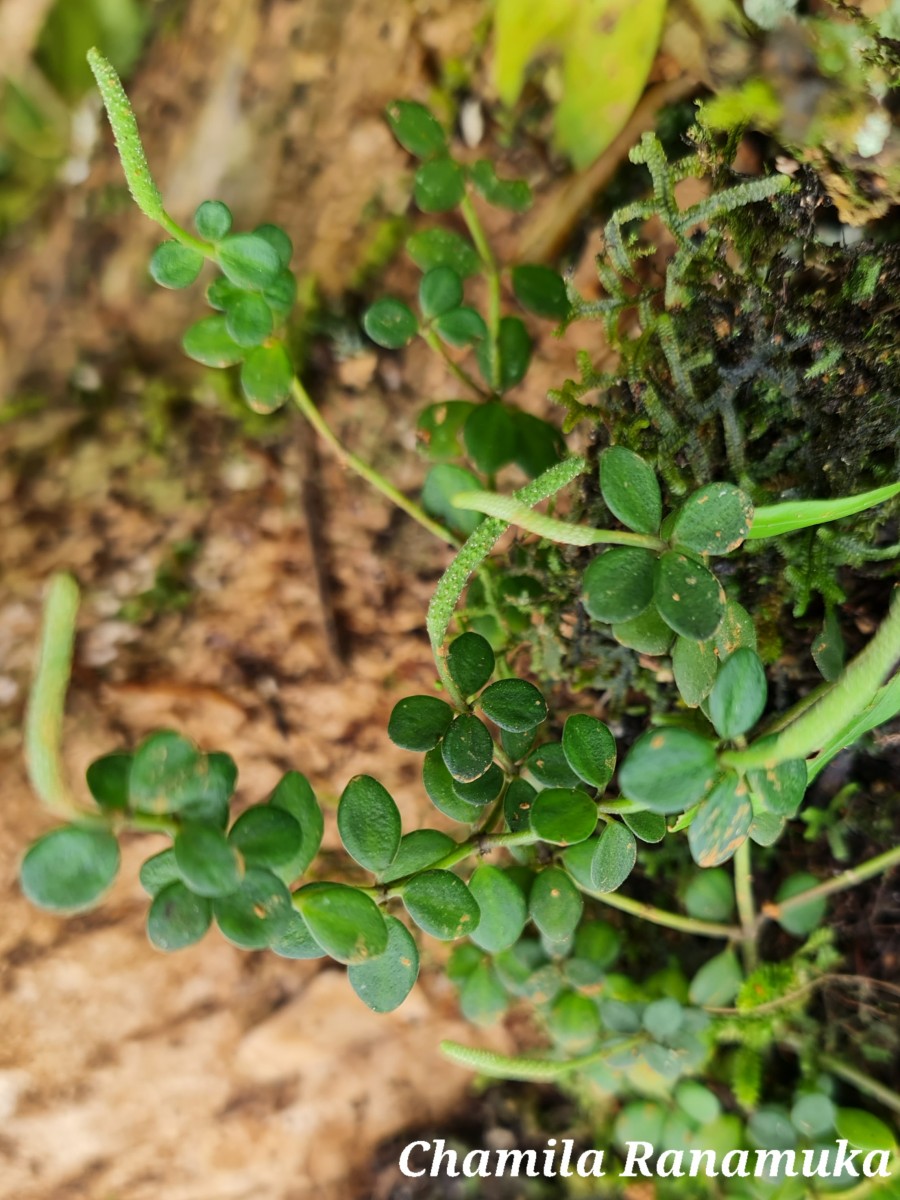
<point>492,274</point>
<point>376,479</point>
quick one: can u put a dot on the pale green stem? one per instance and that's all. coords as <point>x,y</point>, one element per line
<point>434,343</point>
<point>658,916</point>
<point>507,508</point>
<point>743,890</point>
<point>502,1066</point>
<point>349,459</point>
<point>492,275</point>
<point>847,879</point>
<point>851,692</point>
<point>869,1087</point>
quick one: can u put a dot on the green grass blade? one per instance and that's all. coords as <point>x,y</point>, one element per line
<point>775,519</point>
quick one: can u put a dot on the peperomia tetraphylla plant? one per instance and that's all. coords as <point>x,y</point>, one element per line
<point>520,780</point>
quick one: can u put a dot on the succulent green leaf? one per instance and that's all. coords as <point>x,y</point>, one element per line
<point>159,871</point>
<point>663,1018</point>
<point>439,185</point>
<point>539,445</point>
<point>550,767</point>
<point>713,520</point>
<point>69,868</point>
<point>248,260</point>
<point>828,650</point>
<point>281,295</point>
<point>417,851</point>
<point>618,584</point>
<point>267,376</point>
<point>599,943</point>
<point>813,1115</point>
<point>177,918</point>
<point>369,823</point>
<point>694,665</point>
<point>647,633</point>
<point>573,1021</point>
<point>483,790</point>
<point>710,895</point>
<point>513,704</point>
<point>722,822</point>
<point>490,436</point>
<point>630,489</point>
<point>419,722</point>
<point>555,904</point>
<point>482,998</point>
<point>614,857</point>
<point>513,350</point>
<point>590,749</point>
<point>208,803</point>
<point>440,290</point>
<point>502,906</point>
<point>699,1103</point>
<point>517,745</point>
<point>279,241</point>
<point>222,293</point>
<point>739,694</point>
<point>212,220</point>
<point>167,771</point>
<point>668,770</point>
<point>291,938</point>
<point>294,794</point>
<point>207,862</point>
<point>266,836</point>
<point>514,194</point>
<point>442,247</point>
<point>441,905</point>
<point>173,265</point>
<point>249,319</point>
<point>541,291</point>
<point>209,342</point>
<point>736,631</point>
<point>384,983</point>
<point>439,786</point>
<point>563,816</point>
<point>460,326</point>
<point>689,597</point>
<point>648,826</point>
<point>442,483</point>
<point>470,661</point>
<point>805,917</point>
<point>390,323</point>
<point>344,921</point>
<point>577,860</point>
<point>467,748</point>
<point>440,427</point>
<point>766,828</point>
<point>416,129</point>
<point>717,982</point>
<point>256,913</point>
<point>863,1129</point>
<point>781,788</point>
<point>107,780</point>
<point>517,805</point>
